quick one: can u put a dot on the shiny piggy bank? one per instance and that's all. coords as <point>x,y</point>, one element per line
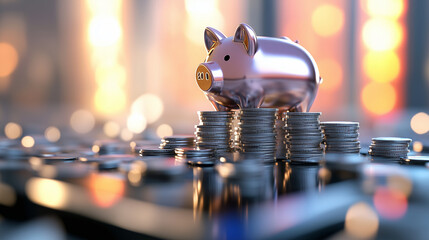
<point>246,71</point>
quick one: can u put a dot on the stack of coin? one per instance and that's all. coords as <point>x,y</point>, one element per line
<point>214,131</point>
<point>257,133</point>
<point>178,141</point>
<point>341,137</point>
<point>196,156</point>
<point>390,147</point>
<point>154,151</point>
<point>303,137</point>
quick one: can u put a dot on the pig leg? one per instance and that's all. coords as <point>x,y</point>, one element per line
<point>220,108</point>
<point>221,103</point>
<point>302,106</point>
<point>251,95</point>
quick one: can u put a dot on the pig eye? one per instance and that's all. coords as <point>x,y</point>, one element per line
<point>226,58</point>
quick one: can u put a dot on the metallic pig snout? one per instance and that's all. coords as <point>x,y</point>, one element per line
<point>209,77</point>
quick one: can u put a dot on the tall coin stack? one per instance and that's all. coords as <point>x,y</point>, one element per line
<point>390,147</point>
<point>214,131</point>
<point>257,135</point>
<point>341,137</point>
<point>178,141</point>
<point>303,137</point>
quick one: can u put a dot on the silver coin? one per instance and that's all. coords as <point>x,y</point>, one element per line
<point>343,151</point>
<point>332,127</point>
<point>303,127</point>
<point>212,134</point>
<point>156,152</point>
<point>388,153</point>
<point>415,160</point>
<point>178,137</point>
<point>303,136</point>
<point>255,129</point>
<point>339,132</point>
<point>392,139</point>
<point>260,135</point>
<point>340,123</point>
<point>297,120</point>
<point>387,148</point>
<point>390,144</point>
<point>258,139</point>
<point>342,143</point>
<point>339,140</point>
<point>342,135</point>
<point>306,141</point>
<point>304,150</point>
<point>300,146</point>
<point>303,113</point>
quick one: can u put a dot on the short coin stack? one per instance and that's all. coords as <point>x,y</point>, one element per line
<point>390,147</point>
<point>303,137</point>
<point>196,156</point>
<point>214,131</point>
<point>153,151</point>
<point>178,141</point>
<point>341,137</point>
<point>257,135</point>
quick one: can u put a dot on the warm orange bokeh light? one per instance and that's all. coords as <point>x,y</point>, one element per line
<point>417,146</point>
<point>332,74</point>
<point>8,59</point>
<point>82,121</point>
<point>104,31</point>
<point>105,191</point>
<point>380,34</point>
<point>13,130</point>
<point>111,129</point>
<point>379,98</point>
<point>361,221</point>
<point>385,8</point>
<point>382,66</point>
<point>109,101</point>
<point>164,130</point>
<point>114,74</point>
<point>390,204</point>
<point>27,141</point>
<point>420,123</point>
<point>52,134</point>
<point>327,20</point>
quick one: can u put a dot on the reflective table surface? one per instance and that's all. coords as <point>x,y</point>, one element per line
<point>75,193</point>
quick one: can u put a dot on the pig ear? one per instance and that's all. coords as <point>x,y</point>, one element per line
<point>212,38</point>
<point>246,35</point>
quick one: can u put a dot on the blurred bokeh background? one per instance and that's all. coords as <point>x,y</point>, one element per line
<point>125,69</point>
